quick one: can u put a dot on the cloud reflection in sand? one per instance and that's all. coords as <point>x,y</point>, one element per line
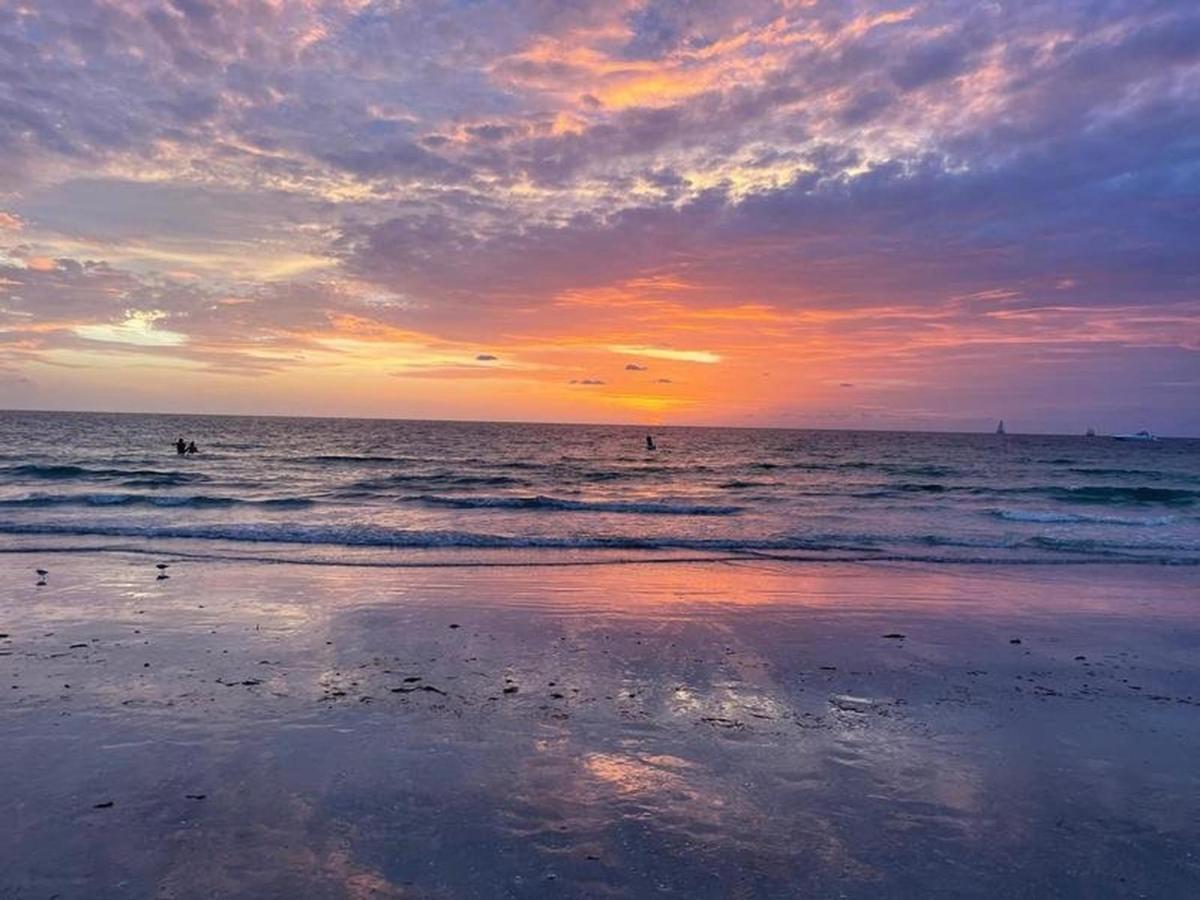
<point>706,729</point>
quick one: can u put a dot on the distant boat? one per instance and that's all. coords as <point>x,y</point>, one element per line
<point>1091,432</point>
<point>1000,428</point>
<point>1136,436</point>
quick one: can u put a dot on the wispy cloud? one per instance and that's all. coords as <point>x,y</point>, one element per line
<point>694,356</point>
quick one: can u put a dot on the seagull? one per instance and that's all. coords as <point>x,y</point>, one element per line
<point>42,573</point>
<point>162,570</point>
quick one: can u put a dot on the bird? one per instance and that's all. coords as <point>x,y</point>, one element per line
<point>42,573</point>
<point>162,570</point>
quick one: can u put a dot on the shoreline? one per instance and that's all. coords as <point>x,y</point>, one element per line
<point>467,557</point>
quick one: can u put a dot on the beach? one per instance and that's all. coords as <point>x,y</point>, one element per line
<point>748,728</point>
<point>533,450</point>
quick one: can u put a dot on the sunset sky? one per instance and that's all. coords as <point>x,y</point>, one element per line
<point>825,213</point>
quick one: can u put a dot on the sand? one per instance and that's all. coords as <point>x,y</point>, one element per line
<point>689,730</point>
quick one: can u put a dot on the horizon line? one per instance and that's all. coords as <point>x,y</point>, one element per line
<point>335,418</point>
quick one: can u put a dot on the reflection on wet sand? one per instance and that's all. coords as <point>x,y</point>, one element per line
<point>701,730</point>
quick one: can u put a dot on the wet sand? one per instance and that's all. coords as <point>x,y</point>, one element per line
<point>691,730</point>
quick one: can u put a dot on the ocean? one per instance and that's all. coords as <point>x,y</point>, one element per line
<point>429,659</point>
<point>383,492</point>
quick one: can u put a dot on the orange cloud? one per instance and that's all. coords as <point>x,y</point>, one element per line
<point>570,66</point>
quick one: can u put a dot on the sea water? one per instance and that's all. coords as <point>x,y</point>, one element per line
<point>389,491</point>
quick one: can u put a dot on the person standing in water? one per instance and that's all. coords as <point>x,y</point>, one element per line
<point>650,443</point>
<point>191,448</point>
<point>180,447</point>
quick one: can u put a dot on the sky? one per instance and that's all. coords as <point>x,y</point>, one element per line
<point>810,213</point>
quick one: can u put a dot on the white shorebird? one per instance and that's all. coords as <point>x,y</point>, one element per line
<point>41,573</point>
<point>162,570</point>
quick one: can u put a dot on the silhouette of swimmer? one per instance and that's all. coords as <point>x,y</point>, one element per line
<point>650,443</point>
<point>191,448</point>
<point>180,447</point>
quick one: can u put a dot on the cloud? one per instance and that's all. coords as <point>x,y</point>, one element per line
<point>137,328</point>
<point>695,356</point>
<point>707,184</point>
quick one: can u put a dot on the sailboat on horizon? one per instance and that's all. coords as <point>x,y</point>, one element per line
<point>1000,428</point>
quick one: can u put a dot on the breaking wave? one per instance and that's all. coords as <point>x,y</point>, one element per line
<point>1048,517</point>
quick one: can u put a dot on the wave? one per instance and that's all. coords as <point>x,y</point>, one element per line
<point>913,469</point>
<point>472,462</point>
<point>61,472</point>
<point>864,546</point>
<point>1096,549</point>
<point>436,479</point>
<point>555,503</point>
<point>1138,495</point>
<point>1108,548</point>
<point>164,479</point>
<point>68,472</point>
<point>384,537</point>
<point>38,501</point>
<point>352,459</point>
<point>1126,495</point>
<point>1123,473</point>
<point>1065,518</point>
<point>893,490</point>
<point>633,473</point>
